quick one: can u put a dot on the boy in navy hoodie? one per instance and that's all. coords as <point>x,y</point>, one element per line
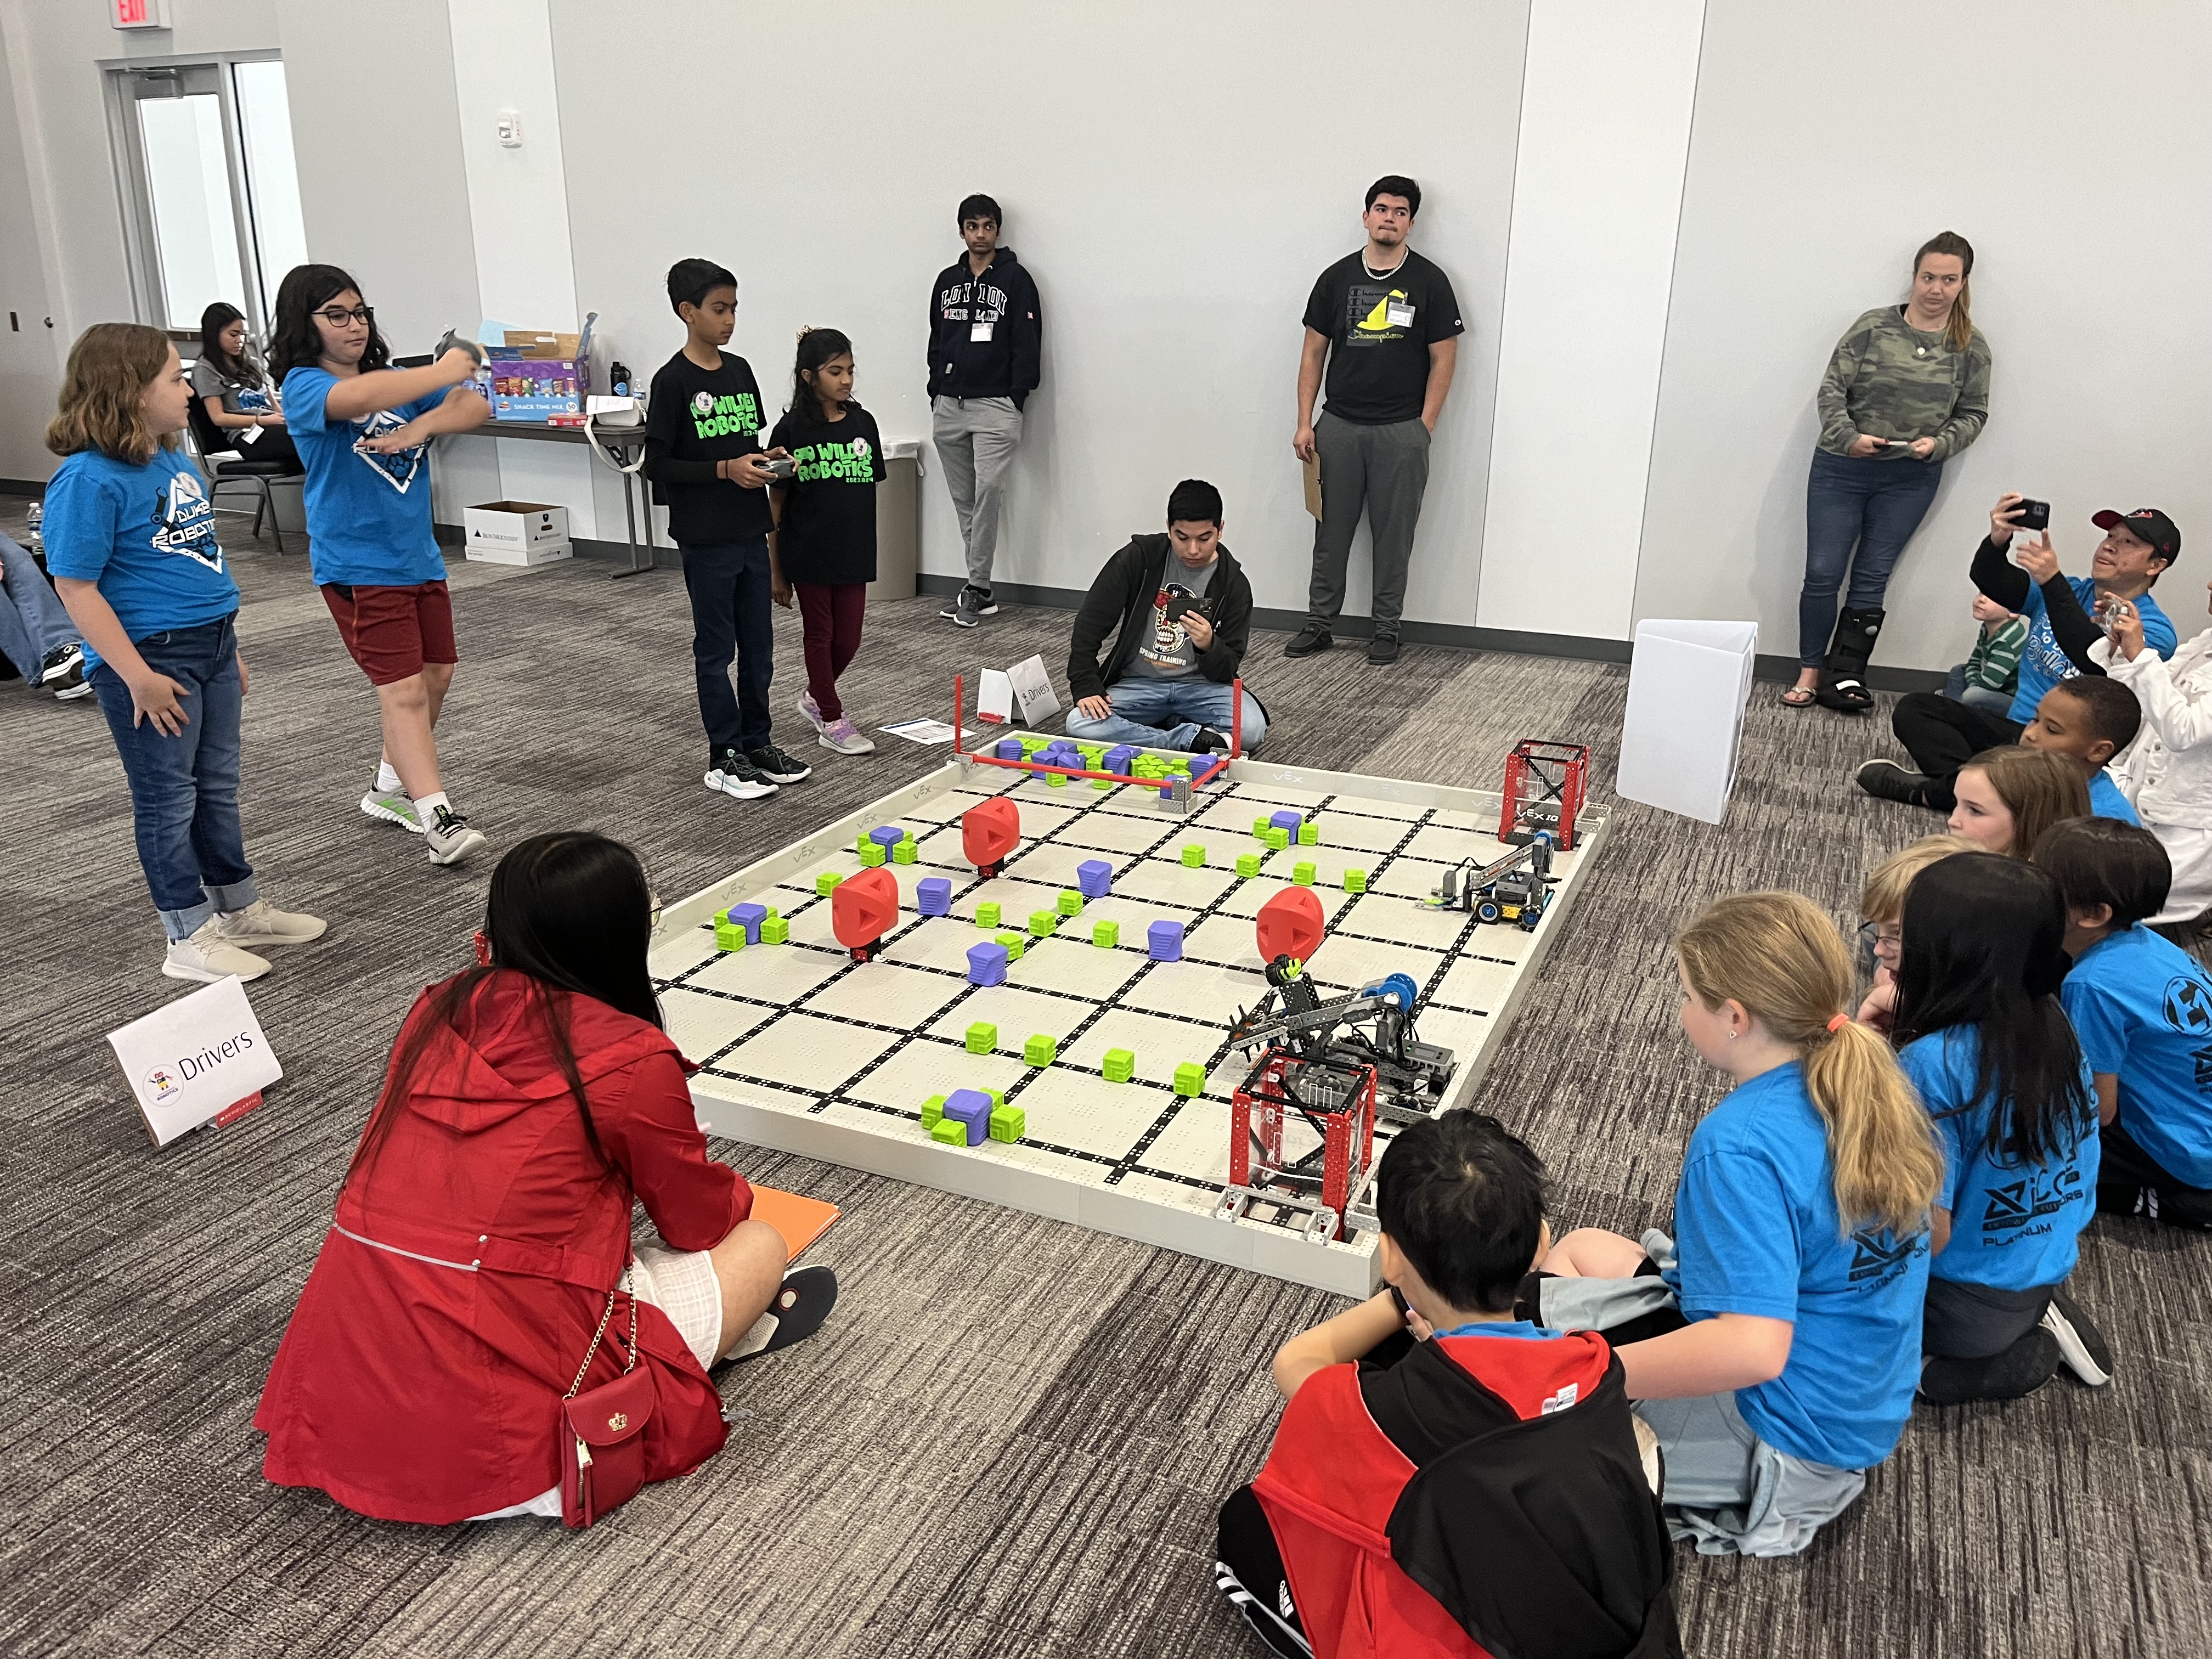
<point>986,332</point>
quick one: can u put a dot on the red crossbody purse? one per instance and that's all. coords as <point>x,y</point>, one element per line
<point>603,1431</point>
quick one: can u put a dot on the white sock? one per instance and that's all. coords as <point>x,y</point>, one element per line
<point>388,780</point>
<point>426,806</point>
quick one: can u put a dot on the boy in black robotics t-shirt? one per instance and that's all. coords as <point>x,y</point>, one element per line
<point>702,452</point>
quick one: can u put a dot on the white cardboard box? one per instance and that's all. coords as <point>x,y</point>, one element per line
<point>1687,686</point>
<point>516,533</point>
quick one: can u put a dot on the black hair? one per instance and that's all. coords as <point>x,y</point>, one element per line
<point>241,370</point>
<point>569,915</point>
<point>690,281</point>
<point>816,346</point>
<point>296,342</point>
<point>1464,1200</point>
<point>1396,184</point>
<point>1193,501</point>
<point>1984,947</point>
<point>978,206</point>
<point>2114,714</point>
<point>2104,861</point>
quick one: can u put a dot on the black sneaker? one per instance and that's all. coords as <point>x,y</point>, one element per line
<point>734,775</point>
<point>1382,648</point>
<point>2019,1369</point>
<point>772,763</point>
<point>970,606</point>
<point>63,666</point>
<point>1888,779</point>
<point>2082,1346</point>
<point>1312,638</point>
<point>1209,742</point>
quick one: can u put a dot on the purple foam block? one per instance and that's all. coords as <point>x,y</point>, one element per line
<point>1009,749</point>
<point>887,835</point>
<point>933,895</point>
<point>971,1107</point>
<point>1119,756</point>
<point>1163,941</point>
<point>1095,876</point>
<point>1288,820</point>
<point>1202,764</point>
<point>987,963</point>
<point>749,917</point>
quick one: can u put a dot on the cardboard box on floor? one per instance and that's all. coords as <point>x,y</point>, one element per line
<point>516,533</point>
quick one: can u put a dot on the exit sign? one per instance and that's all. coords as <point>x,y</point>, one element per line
<point>138,14</point>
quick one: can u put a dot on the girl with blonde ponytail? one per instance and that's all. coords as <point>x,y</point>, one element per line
<point>1800,1258</point>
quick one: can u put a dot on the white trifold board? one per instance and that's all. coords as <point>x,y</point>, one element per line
<point>1687,685</point>
<point>805,1051</point>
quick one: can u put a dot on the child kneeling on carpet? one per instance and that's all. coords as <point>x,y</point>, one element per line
<point>1476,1482</point>
<point>1800,1255</point>
<point>1980,1032</point>
<point>2142,1008</point>
<point>2007,797</point>
<point>482,1235</point>
<point>130,542</point>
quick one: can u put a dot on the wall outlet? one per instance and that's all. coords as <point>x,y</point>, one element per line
<point>510,130</point>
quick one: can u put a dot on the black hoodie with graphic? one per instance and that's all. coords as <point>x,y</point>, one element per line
<point>1001,305</point>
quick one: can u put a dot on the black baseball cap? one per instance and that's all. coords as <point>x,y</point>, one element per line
<point>2146,524</point>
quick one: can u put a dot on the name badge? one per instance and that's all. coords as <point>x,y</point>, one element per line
<point>979,332</point>
<point>1400,313</point>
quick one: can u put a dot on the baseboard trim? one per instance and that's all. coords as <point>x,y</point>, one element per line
<point>1782,670</point>
<point>33,487</point>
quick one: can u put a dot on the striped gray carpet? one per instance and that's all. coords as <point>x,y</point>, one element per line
<point>1011,1439</point>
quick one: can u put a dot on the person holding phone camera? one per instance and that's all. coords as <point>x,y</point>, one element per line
<point>1180,609</point>
<point>2064,617</point>
<point>1907,387</point>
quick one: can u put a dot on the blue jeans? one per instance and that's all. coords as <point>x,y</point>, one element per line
<point>1167,713</point>
<point>1976,696</point>
<point>184,790</point>
<point>31,620</point>
<point>730,602</point>
<point>1874,505</point>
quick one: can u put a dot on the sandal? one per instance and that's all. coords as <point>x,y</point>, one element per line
<point>1798,696</point>
<point>801,1303</point>
<point>1847,695</point>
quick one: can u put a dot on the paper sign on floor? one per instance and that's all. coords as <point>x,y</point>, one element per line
<point>192,1062</point>
<point>1033,690</point>
<point>995,697</point>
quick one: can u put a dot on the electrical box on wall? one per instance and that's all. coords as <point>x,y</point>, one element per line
<point>510,129</point>
<point>138,14</point>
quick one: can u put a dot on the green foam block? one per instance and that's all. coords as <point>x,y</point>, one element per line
<point>776,930</point>
<point>1014,943</point>
<point>1106,935</point>
<point>932,1111</point>
<point>982,1037</point>
<point>986,914</point>
<point>905,853</point>
<point>1039,1050</point>
<point>1248,863</point>
<point>1194,855</point>
<point>826,883</point>
<point>1008,1123</point>
<point>1303,874</point>
<point>1309,833</point>
<point>949,1131</point>
<point>1278,840</point>
<point>1042,922</point>
<point>1189,1078</point>
<point>1070,901</point>
<point>1355,881</point>
<point>1120,1065</point>
<point>729,936</point>
<point>1260,827</point>
<point>871,856</point>
<point>1055,780</point>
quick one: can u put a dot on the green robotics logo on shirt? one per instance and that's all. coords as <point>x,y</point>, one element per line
<point>853,462</point>
<point>735,414</point>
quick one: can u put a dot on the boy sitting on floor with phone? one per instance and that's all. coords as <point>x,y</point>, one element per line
<point>1449,1480</point>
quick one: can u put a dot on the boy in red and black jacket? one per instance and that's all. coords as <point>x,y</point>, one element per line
<point>1448,1482</point>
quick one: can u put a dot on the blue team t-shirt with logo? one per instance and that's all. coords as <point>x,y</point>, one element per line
<point>1756,1232</point>
<point>368,516</point>
<point>2142,1008</point>
<point>2106,801</point>
<point>2043,664</point>
<point>2013,1226</point>
<point>145,534</point>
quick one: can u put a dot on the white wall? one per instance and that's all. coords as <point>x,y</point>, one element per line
<point>1597,192</point>
<point>29,372</point>
<point>2074,147</point>
<point>1176,176</point>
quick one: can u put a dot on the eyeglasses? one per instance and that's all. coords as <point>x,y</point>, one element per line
<point>1874,935</point>
<point>337,317</point>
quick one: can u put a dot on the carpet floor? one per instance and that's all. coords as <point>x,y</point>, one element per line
<point>1011,1438</point>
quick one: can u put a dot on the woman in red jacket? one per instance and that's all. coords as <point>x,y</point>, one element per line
<point>486,1219</point>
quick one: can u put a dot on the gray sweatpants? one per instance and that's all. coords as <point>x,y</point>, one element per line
<point>976,438</point>
<point>1384,470</point>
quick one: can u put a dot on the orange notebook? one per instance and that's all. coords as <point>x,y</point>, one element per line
<point>801,1221</point>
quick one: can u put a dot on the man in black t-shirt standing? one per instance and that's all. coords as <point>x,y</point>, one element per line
<point>703,452</point>
<point>1388,324</point>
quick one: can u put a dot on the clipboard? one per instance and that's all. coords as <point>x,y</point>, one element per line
<point>1311,467</point>
<point>801,1221</point>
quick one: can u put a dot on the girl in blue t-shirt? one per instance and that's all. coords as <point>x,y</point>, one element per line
<point>363,431</point>
<point>1981,1034</point>
<point>130,544</point>
<point>1800,1255</point>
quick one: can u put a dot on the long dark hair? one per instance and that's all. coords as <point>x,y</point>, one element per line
<point>295,342</point>
<point>570,915</point>
<point>241,370</point>
<point>1983,940</point>
<point>816,346</point>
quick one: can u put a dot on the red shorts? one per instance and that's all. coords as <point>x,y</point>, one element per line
<point>392,631</point>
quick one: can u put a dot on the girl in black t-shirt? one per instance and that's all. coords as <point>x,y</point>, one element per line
<point>825,546</point>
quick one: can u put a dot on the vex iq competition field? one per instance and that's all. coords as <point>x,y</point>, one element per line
<point>1086,1061</point>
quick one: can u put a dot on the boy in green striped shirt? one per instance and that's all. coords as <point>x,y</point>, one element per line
<point>1990,673</point>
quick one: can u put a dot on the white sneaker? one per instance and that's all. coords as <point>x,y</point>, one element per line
<point>451,839</point>
<point>394,807</point>
<point>263,923</point>
<point>208,957</point>
<point>812,710</point>
<point>841,735</point>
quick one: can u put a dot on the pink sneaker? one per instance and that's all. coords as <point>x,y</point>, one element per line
<point>812,710</point>
<point>841,735</point>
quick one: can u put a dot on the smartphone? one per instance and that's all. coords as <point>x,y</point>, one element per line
<point>1181,606</point>
<point>2031,515</point>
<point>782,467</point>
